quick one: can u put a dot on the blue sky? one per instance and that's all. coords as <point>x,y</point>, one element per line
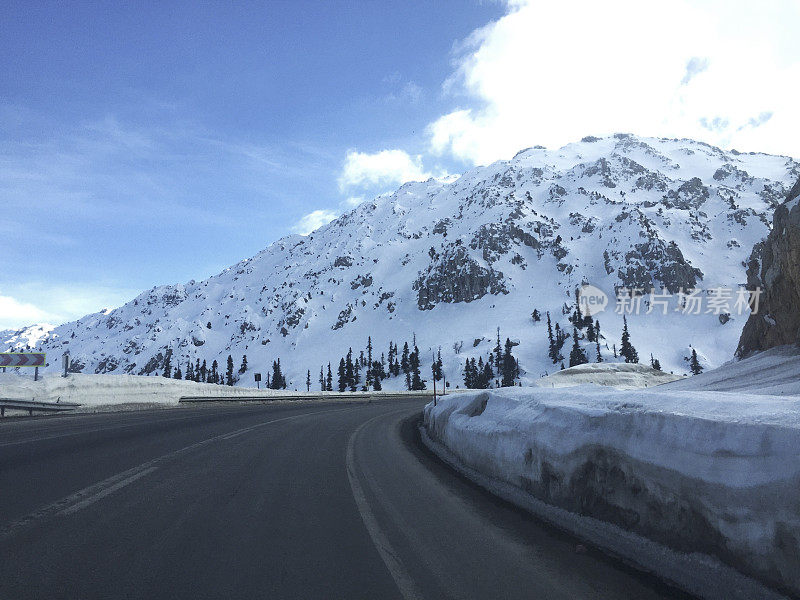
<point>153,143</point>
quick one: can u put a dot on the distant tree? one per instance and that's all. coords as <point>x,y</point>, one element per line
<point>368,375</point>
<point>437,366</point>
<point>214,372</point>
<point>203,372</point>
<point>377,375</point>
<point>243,368</point>
<point>694,364</point>
<point>168,364</point>
<point>404,365</point>
<point>577,356</point>
<point>469,374</point>
<point>329,380</point>
<point>551,352</point>
<point>342,375</point>
<point>278,380</point>
<point>599,356</point>
<point>189,371</point>
<point>322,386</point>
<point>197,370</point>
<point>536,315</point>
<point>508,367</point>
<point>229,372</point>
<point>416,376</point>
<point>178,374</point>
<point>498,352</point>
<point>308,380</point>
<point>350,373</point>
<point>654,363</point>
<point>626,349</point>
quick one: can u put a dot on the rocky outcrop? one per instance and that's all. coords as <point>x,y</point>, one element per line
<point>774,267</point>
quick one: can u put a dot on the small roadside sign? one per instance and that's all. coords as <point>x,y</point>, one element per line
<point>258,379</point>
<point>22,359</point>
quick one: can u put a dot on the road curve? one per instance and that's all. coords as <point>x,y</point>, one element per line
<point>269,501</point>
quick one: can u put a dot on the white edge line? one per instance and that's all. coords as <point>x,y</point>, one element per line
<point>405,584</point>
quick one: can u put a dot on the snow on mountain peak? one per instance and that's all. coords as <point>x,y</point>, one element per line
<point>452,259</point>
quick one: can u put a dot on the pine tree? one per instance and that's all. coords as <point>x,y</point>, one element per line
<point>498,352</point>
<point>203,372</point>
<point>278,380</point>
<point>168,364</point>
<point>197,370</point>
<point>416,375</point>
<point>437,366</point>
<point>178,374</point>
<point>536,315</point>
<point>189,374</point>
<point>626,349</point>
<point>229,372</point>
<point>486,377</point>
<point>377,374</point>
<point>329,380</point>
<point>469,378</point>
<point>308,380</point>
<point>342,375</point>
<point>599,356</point>
<point>322,379</point>
<point>590,336</point>
<point>551,352</point>
<point>508,369</point>
<point>577,356</point>
<point>243,368</point>
<point>214,372</point>
<point>404,365</point>
<point>694,364</point>
<point>369,365</point>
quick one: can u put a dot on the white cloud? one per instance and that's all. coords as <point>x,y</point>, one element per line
<point>552,72</point>
<point>41,302</point>
<point>313,220</point>
<point>15,314</point>
<point>384,168</point>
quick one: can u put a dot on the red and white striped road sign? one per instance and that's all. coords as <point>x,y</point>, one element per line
<point>22,359</point>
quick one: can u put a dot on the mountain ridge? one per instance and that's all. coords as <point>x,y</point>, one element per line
<point>451,260</point>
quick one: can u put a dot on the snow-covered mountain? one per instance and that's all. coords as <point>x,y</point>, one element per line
<point>451,260</point>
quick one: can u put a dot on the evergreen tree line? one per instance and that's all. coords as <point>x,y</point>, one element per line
<point>202,373</point>
<point>365,371</point>
<point>500,369</point>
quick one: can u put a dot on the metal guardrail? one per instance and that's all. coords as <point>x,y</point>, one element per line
<point>32,405</point>
<point>301,396</point>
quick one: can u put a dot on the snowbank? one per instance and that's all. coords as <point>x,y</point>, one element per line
<point>698,471</point>
<point>774,372</point>
<point>97,390</point>
<point>622,376</point>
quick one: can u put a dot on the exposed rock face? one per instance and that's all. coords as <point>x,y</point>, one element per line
<point>774,266</point>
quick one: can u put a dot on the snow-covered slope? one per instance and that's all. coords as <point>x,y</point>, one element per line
<point>452,260</point>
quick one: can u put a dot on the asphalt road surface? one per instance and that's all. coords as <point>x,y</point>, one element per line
<point>269,501</point>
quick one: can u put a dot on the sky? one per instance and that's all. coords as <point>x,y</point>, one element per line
<point>154,143</point>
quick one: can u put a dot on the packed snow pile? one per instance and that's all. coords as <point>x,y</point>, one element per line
<point>98,390</point>
<point>622,376</point>
<point>708,472</point>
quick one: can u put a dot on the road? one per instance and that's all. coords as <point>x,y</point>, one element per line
<point>269,501</point>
